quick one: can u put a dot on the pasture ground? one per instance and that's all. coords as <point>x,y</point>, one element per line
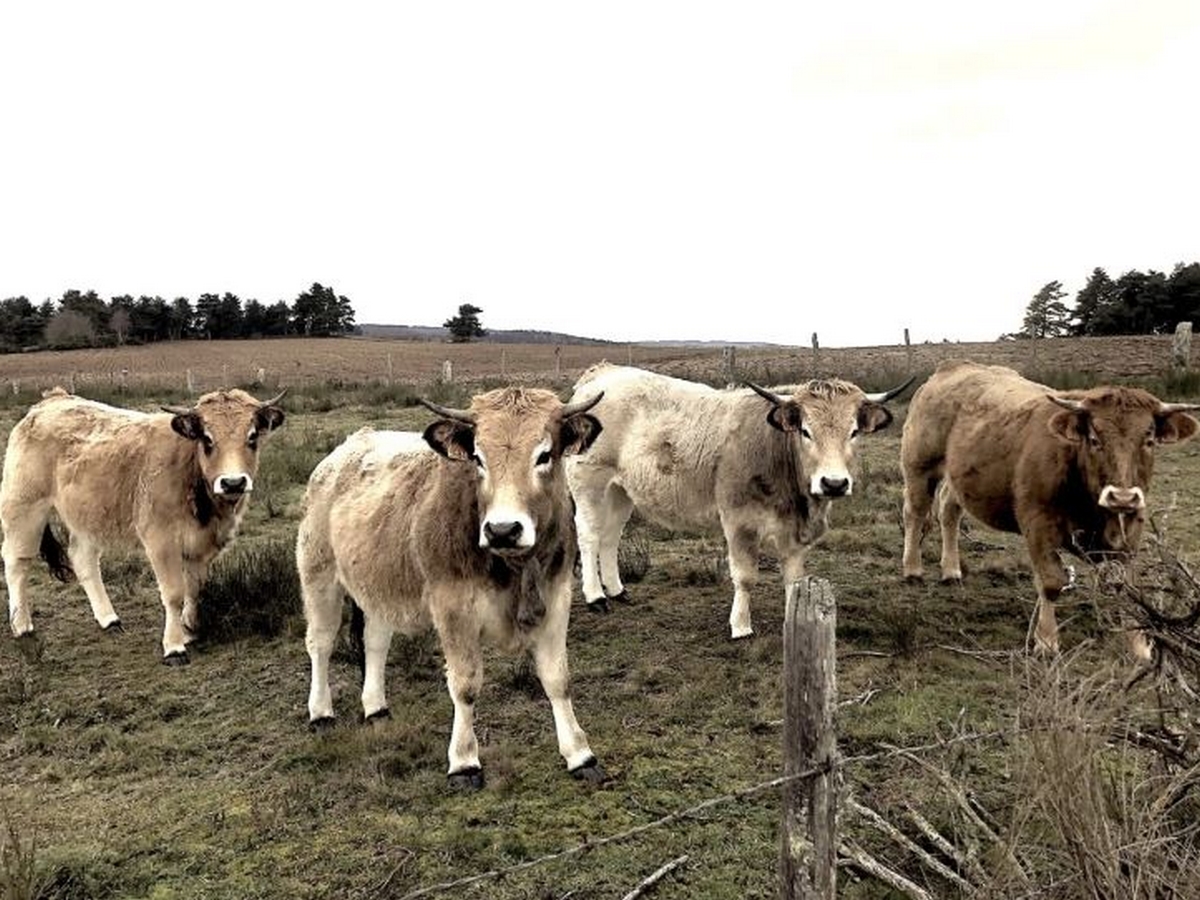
<point>124,778</point>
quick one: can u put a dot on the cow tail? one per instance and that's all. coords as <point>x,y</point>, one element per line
<point>358,649</point>
<point>55,556</point>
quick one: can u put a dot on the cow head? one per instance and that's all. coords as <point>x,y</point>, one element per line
<point>826,418</point>
<point>515,438</point>
<point>1114,432</point>
<point>227,427</point>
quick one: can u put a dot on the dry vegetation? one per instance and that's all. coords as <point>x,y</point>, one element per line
<point>123,778</point>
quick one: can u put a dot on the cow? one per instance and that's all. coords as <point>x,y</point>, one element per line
<point>1067,470</point>
<point>465,528</point>
<point>175,482</point>
<point>695,458</point>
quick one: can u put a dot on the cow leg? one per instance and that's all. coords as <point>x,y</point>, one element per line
<point>458,631</point>
<point>85,560</point>
<point>589,488</point>
<point>196,573</point>
<point>550,659</point>
<point>22,540</point>
<point>950,513</point>
<point>1051,577</point>
<point>377,638</point>
<point>323,600</point>
<point>172,587</point>
<point>743,571</point>
<point>618,509</point>
<point>919,489</point>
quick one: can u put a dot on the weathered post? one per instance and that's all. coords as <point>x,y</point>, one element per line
<point>16,387</point>
<point>124,380</point>
<point>224,375</point>
<point>191,385</point>
<point>389,381</point>
<point>1181,347</point>
<point>816,356</point>
<point>729,363</point>
<point>908,352</point>
<point>447,372</point>
<point>503,363</point>
<point>557,363</point>
<point>808,851</point>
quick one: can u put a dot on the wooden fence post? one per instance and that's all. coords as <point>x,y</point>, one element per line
<point>808,851</point>
<point>908,352</point>
<point>816,356</point>
<point>1181,347</point>
<point>729,363</point>
<point>557,363</point>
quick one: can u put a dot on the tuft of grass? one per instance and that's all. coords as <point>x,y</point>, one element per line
<point>19,878</point>
<point>633,558</point>
<point>254,589</point>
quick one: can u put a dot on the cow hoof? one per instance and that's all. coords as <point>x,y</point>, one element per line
<point>622,597</point>
<point>951,580</point>
<point>30,646</point>
<point>115,627</point>
<point>177,658</point>
<point>466,780</point>
<point>599,606</point>
<point>591,772</point>
<point>378,716</point>
<point>740,634</point>
<point>914,579</point>
<point>325,723</point>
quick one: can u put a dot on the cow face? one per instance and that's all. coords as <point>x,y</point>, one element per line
<point>515,439</point>
<point>1114,432</point>
<point>227,427</point>
<point>827,418</point>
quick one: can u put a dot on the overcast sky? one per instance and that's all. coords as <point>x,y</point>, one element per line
<point>625,170</point>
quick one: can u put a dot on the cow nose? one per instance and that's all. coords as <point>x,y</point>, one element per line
<point>835,487</point>
<point>1122,500</point>
<point>233,484</point>
<point>502,535</point>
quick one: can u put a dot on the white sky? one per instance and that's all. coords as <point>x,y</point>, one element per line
<point>626,170</point>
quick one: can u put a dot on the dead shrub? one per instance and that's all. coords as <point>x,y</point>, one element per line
<point>253,589</point>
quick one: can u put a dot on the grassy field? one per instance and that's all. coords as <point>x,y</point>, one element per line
<point>123,778</point>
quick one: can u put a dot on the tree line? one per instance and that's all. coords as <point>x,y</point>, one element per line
<point>84,319</point>
<point>1135,303</point>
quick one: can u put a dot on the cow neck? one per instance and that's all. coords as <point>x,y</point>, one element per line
<point>784,470</point>
<point>203,505</point>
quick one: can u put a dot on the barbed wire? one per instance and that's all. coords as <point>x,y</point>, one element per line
<point>691,811</point>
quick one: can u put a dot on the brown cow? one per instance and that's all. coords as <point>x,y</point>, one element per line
<point>1068,470</point>
<point>175,483</point>
<point>476,542</point>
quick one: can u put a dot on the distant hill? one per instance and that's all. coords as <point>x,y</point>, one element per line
<point>494,335</point>
<point>519,336</point>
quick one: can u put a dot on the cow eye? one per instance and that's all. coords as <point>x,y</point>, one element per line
<point>853,433</point>
<point>252,441</point>
<point>543,458</point>
<point>477,459</point>
<point>207,442</point>
<point>1094,441</point>
<point>805,433</point>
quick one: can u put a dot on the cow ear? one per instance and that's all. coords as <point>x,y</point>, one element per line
<point>873,416</point>
<point>578,432</point>
<point>1068,425</point>
<point>188,425</point>
<point>1175,427</point>
<point>452,439</point>
<point>268,418</point>
<point>786,416</point>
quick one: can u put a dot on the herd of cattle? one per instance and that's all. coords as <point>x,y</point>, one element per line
<point>473,528</point>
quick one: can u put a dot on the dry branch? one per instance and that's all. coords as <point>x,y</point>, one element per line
<point>869,864</point>
<point>885,827</point>
<point>655,877</point>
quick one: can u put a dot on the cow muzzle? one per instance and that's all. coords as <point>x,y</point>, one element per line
<point>831,485</point>
<point>233,485</point>
<point>507,535</point>
<point>1122,500</point>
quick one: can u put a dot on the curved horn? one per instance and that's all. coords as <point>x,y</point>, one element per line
<point>1165,409</point>
<point>582,406</point>
<point>885,396</point>
<point>458,415</point>
<point>179,410</point>
<point>774,399</point>
<point>1073,405</point>
<point>274,399</point>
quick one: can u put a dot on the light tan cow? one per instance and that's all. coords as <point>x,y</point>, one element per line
<point>698,459</point>
<point>175,482</point>
<point>1068,470</point>
<point>475,540</point>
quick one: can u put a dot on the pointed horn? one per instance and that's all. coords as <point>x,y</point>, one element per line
<point>458,415</point>
<point>1165,409</point>
<point>179,410</point>
<point>582,406</point>
<point>274,399</point>
<point>885,396</point>
<point>1073,405</point>
<point>774,399</point>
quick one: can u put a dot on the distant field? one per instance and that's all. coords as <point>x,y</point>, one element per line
<point>126,779</point>
<point>307,361</point>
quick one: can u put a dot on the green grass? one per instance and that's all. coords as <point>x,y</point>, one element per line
<point>141,781</point>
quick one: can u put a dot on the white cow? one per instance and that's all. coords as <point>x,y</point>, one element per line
<point>699,459</point>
